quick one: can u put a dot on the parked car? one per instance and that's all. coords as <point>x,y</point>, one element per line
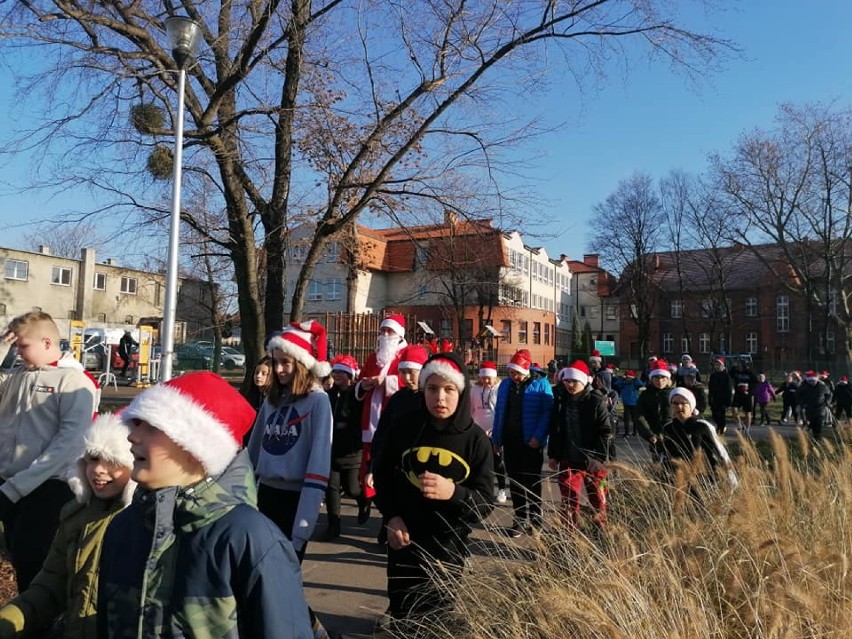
<point>232,358</point>
<point>193,356</point>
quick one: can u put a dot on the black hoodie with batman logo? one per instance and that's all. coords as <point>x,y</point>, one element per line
<point>456,449</point>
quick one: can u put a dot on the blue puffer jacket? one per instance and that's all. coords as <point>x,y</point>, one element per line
<point>628,390</point>
<point>535,411</point>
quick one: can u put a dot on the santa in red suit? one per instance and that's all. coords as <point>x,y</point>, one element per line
<point>378,381</point>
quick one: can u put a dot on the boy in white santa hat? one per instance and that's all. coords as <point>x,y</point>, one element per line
<point>377,383</point>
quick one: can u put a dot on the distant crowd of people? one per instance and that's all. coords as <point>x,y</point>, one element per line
<point>190,511</point>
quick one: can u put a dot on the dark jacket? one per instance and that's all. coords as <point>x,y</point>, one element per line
<point>654,410</point>
<point>843,394</point>
<point>403,401</point>
<point>814,399</point>
<point>458,450</point>
<point>720,389</point>
<point>200,562</point>
<point>346,433</point>
<point>580,427</point>
<point>682,440</point>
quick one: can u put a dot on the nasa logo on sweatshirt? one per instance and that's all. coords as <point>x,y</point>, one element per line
<point>282,431</point>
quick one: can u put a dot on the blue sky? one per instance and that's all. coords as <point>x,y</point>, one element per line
<point>649,120</point>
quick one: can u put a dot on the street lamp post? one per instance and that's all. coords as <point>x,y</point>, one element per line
<point>184,38</point>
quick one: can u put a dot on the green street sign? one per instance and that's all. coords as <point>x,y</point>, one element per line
<point>606,349</point>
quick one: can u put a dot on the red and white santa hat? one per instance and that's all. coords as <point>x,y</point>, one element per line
<point>843,379</point>
<point>811,376</point>
<point>394,322</point>
<point>345,364</point>
<point>445,367</point>
<point>305,342</point>
<point>660,368</point>
<point>578,371</point>
<point>201,413</point>
<point>488,369</point>
<point>596,356</point>
<point>721,360</point>
<point>413,357</point>
<point>105,438</point>
<point>686,358</point>
<point>629,373</point>
<point>686,394</point>
<point>520,362</point>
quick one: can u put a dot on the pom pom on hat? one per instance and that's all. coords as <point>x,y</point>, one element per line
<point>577,371</point>
<point>105,438</point>
<point>660,368</point>
<point>413,357</point>
<point>345,364</point>
<point>686,394</point>
<point>444,367</point>
<point>394,322</point>
<point>201,413</point>
<point>596,356</point>
<point>488,369</point>
<point>306,343</point>
<point>520,362</point>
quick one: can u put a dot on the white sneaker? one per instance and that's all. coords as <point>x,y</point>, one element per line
<point>502,497</point>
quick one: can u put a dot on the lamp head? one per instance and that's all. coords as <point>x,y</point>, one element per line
<point>184,39</point>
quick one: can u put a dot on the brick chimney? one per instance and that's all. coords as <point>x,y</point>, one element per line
<point>591,260</point>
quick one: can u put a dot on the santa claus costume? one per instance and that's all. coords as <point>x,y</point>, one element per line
<point>377,383</point>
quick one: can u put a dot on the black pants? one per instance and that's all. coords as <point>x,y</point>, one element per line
<point>718,411</point>
<point>523,465</point>
<point>29,528</point>
<point>340,477</point>
<point>631,418</point>
<point>411,571</point>
<point>499,470</point>
<point>125,363</point>
<point>280,506</point>
<point>764,414</point>
<point>790,406</point>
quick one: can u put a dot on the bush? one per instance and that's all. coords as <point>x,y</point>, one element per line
<point>769,559</point>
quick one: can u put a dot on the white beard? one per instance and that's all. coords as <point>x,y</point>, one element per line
<point>387,348</point>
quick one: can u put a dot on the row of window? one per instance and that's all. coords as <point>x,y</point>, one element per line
<point>723,309</point>
<point>541,272</point>
<point>61,276</point>
<point>331,290</point>
<point>299,251</point>
<point>826,343</point>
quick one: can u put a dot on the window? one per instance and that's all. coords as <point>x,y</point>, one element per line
<point>782,314</point>
<point>446,329</point>
<point>2,309</point>
<point>506,330</point>
<point>751,307</point>
<point>298,252</point>
<point>102,317</point>
<point>72,315</point>
<point>826,343</point>
<point>706,308</point>
<point>468,329</point>
<point>158,294</point>
<point>832,302</point>
<point>100,282</point>
<point>314,291</point>
<point>60,276</point>
<point>16,270</point>
<point>677,309</point>
<point>751,342</point>
<point>128,285</point>
<point>332,252</point>
<point>684,343</point>
<point>421,254</point>
<point>128,319</point>
<point>526,265</point>
<point>547,334</point>
<point>704,342</point>
<point>536,332</point>
<point>668,343</point>
<point>335,289</point>
<point>611,311</point>
<point>582,311</point>
<point>522,332</point>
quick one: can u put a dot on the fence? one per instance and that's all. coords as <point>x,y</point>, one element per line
<point>356,333</point>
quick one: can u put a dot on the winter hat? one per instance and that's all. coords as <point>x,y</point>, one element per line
<point>811,376</point>
<point>394,322</point>
<point>825,374</point>
<point>520,362</point>
<point>106,437</point>
<point>686,358</point>
<point>686,394</point>
<point>596,356</point>
<point>721,360</point>
<point>444,366</point>
<point>652,359</point>
<point>660,368</point>
<point>536,368</point>
<point>629,373</point>
<point>446,345</point>
<point>201,413</point>
<point>843,380</point>
<point>412,358</point>
<point>577,371</point>
<point>743,385</point>
<point>306,343</point>
<point>488,369</point>
<point>345,364</point>
<point>610,367</point>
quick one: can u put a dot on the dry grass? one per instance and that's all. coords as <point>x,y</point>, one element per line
<point>771,559</point>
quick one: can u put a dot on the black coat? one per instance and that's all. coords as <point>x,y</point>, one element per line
<point>720,389</point>
<point>346,433</point>
<point>580,427</point>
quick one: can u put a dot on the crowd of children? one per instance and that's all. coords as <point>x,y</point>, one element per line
<point>194,508</point>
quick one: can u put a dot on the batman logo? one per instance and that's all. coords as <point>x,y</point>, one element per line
<point>440,461</point>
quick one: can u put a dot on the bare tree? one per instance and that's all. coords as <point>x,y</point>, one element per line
<point>631,227</point>
<point>308,110</point>
<point>792,187</point>
<point>64,240</point>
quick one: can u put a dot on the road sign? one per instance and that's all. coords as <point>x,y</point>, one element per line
<point>606,349</point>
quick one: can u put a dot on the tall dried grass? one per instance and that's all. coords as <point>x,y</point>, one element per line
<point>770,559</point>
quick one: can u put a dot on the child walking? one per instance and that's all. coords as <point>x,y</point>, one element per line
<point>483,400</point>
<point>433,482</point>
<point>763,394</point>
<point>191,556</point>
<point>66,587</point>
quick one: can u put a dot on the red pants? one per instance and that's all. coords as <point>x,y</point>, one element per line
<point>366,491</point>
<point>571,482</point>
